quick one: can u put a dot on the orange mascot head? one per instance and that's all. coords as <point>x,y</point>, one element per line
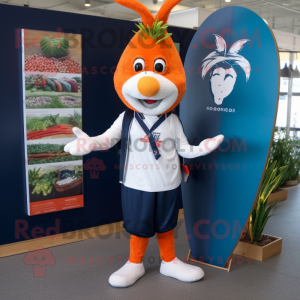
<point>150,76</point>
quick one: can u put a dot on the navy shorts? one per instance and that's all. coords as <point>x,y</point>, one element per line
<point>145,213</point>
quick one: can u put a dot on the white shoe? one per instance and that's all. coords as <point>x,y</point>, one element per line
<point>181,271</point>
<point>127,275</point>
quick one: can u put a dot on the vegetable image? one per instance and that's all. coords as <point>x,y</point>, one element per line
<point>33,175</point>
<point>68,178</point>
<point>70,101</point>
<point>44,148</point>
<point>75,120</point>
<point>54,47</point>
<point>63,158</point>
<point>38,81</point>
<point>58,86</point>
<point>53,130</point>
<point>51,84</point>
<point>54,101</point>
<point>74,85</point>
<point>42,123</point>
<point>48,153</point>
<point>44,83</point>
<point>52,119</point>
<point>78,79</point>
<point>65,86</point>
<point>28,86</point>
<point>40,127</point>
<point>220,65</point>
<point>44,184</point>
<point>39,63</point>
<point>63,178</point>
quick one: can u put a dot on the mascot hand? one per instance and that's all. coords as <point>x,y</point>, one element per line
<point>82,145</point>
<point>209,145</point>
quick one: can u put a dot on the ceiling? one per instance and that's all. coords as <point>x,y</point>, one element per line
<point>280,14</point>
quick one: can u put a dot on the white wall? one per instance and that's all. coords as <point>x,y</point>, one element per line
<point>185,18</point>
<point>287,41</point>
<point>203,14</point>
<point>190,17</point>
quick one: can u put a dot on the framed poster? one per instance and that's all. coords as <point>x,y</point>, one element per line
<point>52,101</point>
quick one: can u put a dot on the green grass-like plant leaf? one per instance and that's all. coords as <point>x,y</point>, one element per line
<point>158,31</point>
<point>261,214</point>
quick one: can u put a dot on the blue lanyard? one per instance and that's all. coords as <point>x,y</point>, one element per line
<point>139,117</point>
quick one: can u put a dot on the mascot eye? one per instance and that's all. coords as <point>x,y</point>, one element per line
<point>139,65</point>
<point>160,65</point>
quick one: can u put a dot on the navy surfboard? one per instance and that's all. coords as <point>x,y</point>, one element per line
<point>232,71</point>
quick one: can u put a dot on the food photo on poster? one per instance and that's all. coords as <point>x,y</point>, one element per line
<point>52,124</point>
<point>59,183</point>
<point>54,52</point>
<point>44,152</point>
<point>61,91</point>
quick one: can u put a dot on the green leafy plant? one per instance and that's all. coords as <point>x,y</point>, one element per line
<point>38,123</point>
<point>44,148</point>
<point>51,120</point>
<point>45,183</point>
<point>78,171</point>
<point>75,120</point>
<point>261,214</point>
<point>286,151</point>
<point>33,175</point>
<point>53,160</point>
<point>158,30</point>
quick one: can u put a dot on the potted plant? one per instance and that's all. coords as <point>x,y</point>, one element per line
<point>278,193</point>
<point>253,243</point>
<point>286,151</point>
<point>294,162</point>
<point>279,154</point>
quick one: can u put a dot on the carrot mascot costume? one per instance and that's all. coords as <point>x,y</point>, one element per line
<point>151,82</point>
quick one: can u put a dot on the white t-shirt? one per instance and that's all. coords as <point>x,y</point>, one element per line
<point>143,172</point>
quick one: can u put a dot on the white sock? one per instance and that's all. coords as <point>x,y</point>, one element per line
<point>127,275</point>
<point>181,271</point>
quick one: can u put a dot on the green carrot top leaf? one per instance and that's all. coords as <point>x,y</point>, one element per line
<point>158,31</point>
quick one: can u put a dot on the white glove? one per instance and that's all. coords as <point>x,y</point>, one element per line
<point>209,145</point>
<point>82,145</point>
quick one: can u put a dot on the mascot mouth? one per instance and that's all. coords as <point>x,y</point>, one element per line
<point>150,103</point>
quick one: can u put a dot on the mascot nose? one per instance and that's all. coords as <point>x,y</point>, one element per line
<point>148,86</point>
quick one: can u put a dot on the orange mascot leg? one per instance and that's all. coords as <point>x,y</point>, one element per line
<point>166,245</point>
<point>138,247</point>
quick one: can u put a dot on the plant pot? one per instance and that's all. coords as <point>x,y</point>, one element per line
<point>259,253</point>
<point>280,195</point>
<point>291,182</point>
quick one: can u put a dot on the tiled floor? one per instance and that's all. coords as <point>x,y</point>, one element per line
<point>275,278</point>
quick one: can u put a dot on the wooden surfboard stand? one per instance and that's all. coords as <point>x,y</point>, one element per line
<point>228,268</point>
